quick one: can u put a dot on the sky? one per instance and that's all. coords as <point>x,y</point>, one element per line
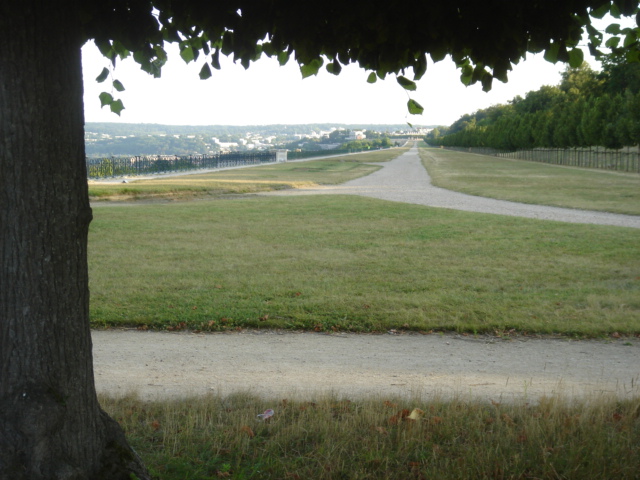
<point>267,93</point>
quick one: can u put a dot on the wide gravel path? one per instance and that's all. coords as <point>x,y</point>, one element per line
<point>404,179</point>
<point>304,365</point>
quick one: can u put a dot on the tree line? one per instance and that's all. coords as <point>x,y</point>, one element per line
<point>587,108</point>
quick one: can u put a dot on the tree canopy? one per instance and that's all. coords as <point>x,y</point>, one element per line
<point>585,109</point>
<point>483,38</point>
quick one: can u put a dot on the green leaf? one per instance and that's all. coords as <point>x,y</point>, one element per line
<point>283,58</point>
<point>501,74</point>
<point>406,83</point>
<point>601,11</point>
<point>486,80</point>
<point>117,107</point>
<point>633,56</point>
<point>576,57</point>
<point>205,72</point>
<point>613,29</point>
<point>118,85</point>
<point>334,67</point>
<point>414,107</point>
<point>103,75</point>
<point>215,60</point>
<point>466,74</point>
<point>120,49</point>
<point>105,99</point>
<point>372,78</point>
<point>311,68</point>
<point>106,49</point>
<point>438,52</point>
<point>615,10</point>
<point>420,68</point>
<point>630,39</point>
<point>613,42</point>
<point>227,43</point>
<point>187,54</point>
<point>551,55</point>
<point>160,53</point>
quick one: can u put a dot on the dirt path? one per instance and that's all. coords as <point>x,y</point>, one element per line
<point>159,364</point>
<point>404,179</point>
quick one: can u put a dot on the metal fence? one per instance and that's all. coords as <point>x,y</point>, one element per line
<point>623,160</point>
<point>154,164</point>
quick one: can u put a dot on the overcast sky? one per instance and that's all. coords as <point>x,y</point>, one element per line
<point>268,94</point>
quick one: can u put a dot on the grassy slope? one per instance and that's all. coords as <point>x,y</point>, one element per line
<point>532,182</point>
<point>360,264</point>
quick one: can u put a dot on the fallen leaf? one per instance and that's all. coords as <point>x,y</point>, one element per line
<point>155,425</point>
<point>246,429</point>
<point>389,404</point>
<point>264,318</point>
<point>435,420</point>
<point>382,430</point>
<point>507,419</point>
<point>416,414</point>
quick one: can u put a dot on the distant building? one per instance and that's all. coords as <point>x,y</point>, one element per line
<point>356,135</point>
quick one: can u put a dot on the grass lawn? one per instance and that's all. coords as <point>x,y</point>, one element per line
<point>334,438</point>
<point>533,182</point>
<point>358,264</point>
<point>246,180</point>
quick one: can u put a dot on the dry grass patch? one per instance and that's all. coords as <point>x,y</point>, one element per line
<point>330,438</point>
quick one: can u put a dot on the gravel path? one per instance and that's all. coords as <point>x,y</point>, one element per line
<point>160,364</point>
<point>304,365</point>
<point>404,179</point>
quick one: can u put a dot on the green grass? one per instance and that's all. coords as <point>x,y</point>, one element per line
<point>532,182</point>
<point>247,180</point>
<point>352,263</point>
<point>331,438</point>
<point>358,264</point>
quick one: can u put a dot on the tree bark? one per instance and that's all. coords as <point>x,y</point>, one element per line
<point>51,425</point>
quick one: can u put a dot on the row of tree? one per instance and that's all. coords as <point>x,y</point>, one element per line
<point>587,108</point>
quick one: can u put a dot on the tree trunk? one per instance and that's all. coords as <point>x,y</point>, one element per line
<point>51,426</point>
